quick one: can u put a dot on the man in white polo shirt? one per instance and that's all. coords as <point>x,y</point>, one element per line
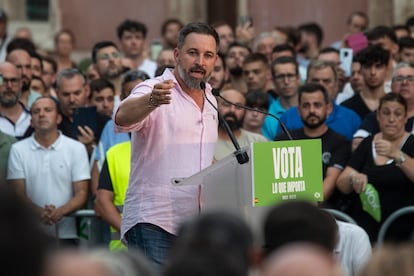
<point>52,171</point>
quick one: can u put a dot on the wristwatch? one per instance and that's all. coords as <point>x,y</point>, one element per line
<point>401,160</point>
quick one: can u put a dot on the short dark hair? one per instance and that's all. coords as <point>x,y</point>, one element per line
<point>239,44</point>
<point>298,221</point>
<point>328,50</point>
<point>199,28</point>
<point>133,75</point>
<point>400,27</point>
<point>131,26</point>
<point>100,45</point>
<point>313,28</point>
<point>285,60</point>
<point>20,43</point>
<point>374,54</point>
<point>257,99</point>
<point>168,22</point>
<point>410,21</point>
<point>223,61</point>
<point>405,42</point>
<point>39,79</point>
<point>254,57</point>
<point>284,47</point>
<point>312,88</point>
<point>35,55</point>
<point>52,61</point>
<point>381,32</point>
<point>393,97</point>
<point>213,234</point>
<point>98,85</point>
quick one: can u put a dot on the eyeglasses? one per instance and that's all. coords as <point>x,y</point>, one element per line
<point>403,78</point>
<point>12,81</point>
<point>108,56</point>
<point>289,77</point>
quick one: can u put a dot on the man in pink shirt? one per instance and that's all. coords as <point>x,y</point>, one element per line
<point>174,131</point>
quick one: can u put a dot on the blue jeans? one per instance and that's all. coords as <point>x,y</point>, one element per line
<point>152,240</point>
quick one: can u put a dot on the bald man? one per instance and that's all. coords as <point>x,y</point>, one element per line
<point>14,117</point>
<point>22,60</point>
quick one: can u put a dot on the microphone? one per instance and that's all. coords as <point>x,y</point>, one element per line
<point>216,93</point>
<point>241,155</point>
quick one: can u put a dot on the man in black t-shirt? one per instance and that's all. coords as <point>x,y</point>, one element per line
<point>314,107</point>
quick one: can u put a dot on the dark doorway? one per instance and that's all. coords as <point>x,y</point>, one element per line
<point>222,11</point>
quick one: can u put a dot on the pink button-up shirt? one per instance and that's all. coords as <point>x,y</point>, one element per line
<point>175,140</point>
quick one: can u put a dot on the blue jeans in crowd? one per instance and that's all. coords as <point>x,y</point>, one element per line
<point>152,240</point>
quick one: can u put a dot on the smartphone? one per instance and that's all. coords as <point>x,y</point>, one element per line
<point>84,116</point>
<point>245,20</point>
<point>156,47</point>
<point>357,42</point>
<point>346,55</point>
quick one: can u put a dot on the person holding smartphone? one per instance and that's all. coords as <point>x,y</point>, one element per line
<point>72,92</point>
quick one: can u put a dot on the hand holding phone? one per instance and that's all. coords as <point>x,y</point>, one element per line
<point>346,56</point>
<point>84,117</point>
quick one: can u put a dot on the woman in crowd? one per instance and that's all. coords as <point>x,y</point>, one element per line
<point>383,162</point>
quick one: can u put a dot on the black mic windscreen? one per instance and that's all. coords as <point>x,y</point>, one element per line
<point>203,85</point>
<point>216,92</point>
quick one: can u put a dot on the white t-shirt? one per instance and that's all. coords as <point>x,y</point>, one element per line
<point>149,67</point>
<point>16,129</point>
<point>49,174</point>
<point>353,248</point>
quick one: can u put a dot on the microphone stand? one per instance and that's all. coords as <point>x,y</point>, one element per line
<point>216,93</point>
<point>241,155</point>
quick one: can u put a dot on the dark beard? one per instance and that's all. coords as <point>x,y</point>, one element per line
<point>9,103</point>
<point>315,125</point>
<point>25,86</point>
<point>232,121</point>
<point>236,71</point>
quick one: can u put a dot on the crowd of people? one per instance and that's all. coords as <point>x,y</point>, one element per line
<point>112,135</point>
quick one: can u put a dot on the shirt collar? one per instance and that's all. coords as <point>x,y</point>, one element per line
<point>56,145</point>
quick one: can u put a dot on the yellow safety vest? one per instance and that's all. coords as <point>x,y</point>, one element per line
<point>118,158</point>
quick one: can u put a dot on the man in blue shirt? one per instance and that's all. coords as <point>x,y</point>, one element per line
<point>342,120</point>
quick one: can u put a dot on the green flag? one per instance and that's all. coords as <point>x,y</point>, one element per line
<point>371,202</point>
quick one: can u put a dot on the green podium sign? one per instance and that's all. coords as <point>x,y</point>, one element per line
<point>286,170</point>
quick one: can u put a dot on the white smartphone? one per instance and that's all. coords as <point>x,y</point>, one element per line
<point>156,48</point>
<point>346,55</point>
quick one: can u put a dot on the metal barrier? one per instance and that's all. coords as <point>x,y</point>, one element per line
<point>387,223</point>
<point>88,231</point>
<point>340,215</point>
<point>84,213</point>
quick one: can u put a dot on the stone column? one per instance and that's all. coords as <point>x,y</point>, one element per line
<point>188,10</point>
<point>403,9</point>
